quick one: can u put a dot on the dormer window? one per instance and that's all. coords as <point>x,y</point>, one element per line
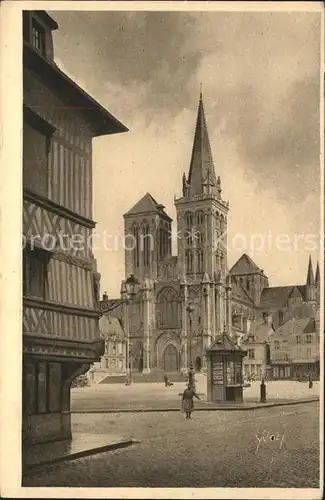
<point>38,37</point>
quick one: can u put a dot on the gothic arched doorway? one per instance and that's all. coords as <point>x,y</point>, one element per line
<point>198,364</point>
<point>170,359</point>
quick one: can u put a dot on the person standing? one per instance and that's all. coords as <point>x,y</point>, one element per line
<point>310,381</point>
<point>187,400</point>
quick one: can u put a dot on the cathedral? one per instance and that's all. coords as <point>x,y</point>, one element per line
<point>183,302</point>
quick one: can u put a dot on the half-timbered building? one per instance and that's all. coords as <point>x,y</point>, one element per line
<point>60,280</point>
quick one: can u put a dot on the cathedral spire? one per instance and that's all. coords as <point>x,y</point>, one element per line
<point>202,171</point>
<point>310,274</point>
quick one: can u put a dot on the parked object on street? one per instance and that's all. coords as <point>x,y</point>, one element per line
<point>187,400</point>
<point>263,391</point>
<point>168,383</point>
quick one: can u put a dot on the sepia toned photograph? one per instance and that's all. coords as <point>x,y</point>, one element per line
<point>172,258</point>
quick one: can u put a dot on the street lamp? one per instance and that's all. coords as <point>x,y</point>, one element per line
<point>190,310</point>
<point>130,285</point>
<point>266,363</point>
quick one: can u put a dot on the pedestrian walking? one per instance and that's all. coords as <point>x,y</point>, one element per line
<point>310,382</point>
<point>187,400</point>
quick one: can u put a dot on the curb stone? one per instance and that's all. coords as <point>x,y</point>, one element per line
<point>253,406</point>
<point>84,453</point>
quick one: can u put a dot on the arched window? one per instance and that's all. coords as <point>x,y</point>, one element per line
<point>168,308</point>
<point>217,221</point>
<point>189,261</point>
<point>136,247</point>
<point>189,220</point>
<point>165,243</point>
<point>160,242</point>
<point>199,218</point>
<point>146,245</point>
<point>199,238</point>
<point>188,238</point>
<point>200,261</point>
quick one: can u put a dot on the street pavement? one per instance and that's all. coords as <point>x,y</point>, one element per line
<point>155,395</point>
<point>274,447</point>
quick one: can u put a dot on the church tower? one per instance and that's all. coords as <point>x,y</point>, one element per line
<point>147,230</point>
<point>201,213</point>
<point>202,245</point>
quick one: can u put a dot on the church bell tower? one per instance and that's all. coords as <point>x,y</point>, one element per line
<point>202,246</point>
<point>202,213</point>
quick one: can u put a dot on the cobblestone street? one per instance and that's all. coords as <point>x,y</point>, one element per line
<point>214,449</point>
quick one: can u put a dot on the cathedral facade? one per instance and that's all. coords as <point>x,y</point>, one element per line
<point>183,302</point>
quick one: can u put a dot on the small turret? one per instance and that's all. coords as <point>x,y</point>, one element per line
<point>219,187</point>
<point>185,186</point>
<point>310,274</point>
<point>310,283</point>
<point>317,275</point>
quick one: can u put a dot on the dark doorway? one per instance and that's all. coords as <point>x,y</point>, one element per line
<point>170,359</point>
<point>198,364</point>
<point>137,357</point>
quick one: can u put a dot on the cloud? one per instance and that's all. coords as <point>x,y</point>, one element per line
<point>260,74</point>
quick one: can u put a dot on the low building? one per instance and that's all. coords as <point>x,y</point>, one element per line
<point>295,349</point>
<point>257,344</point>
<point>305,348</point>
<point>280,354</point>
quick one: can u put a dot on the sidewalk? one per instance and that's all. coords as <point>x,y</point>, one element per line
<point>81,445</point>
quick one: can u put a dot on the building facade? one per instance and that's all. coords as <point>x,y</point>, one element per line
<point>60,280</point>
<point>256,342</point>
<point>164,334</point>
<point>295,349</point>
<point>183,301</point>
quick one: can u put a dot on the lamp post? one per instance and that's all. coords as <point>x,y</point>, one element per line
<point>191,381</point>
<point>114,340</point>
<point>130,285</point>
<point>264,372</point>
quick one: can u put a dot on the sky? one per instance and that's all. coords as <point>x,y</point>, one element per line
<point>260,74</point>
